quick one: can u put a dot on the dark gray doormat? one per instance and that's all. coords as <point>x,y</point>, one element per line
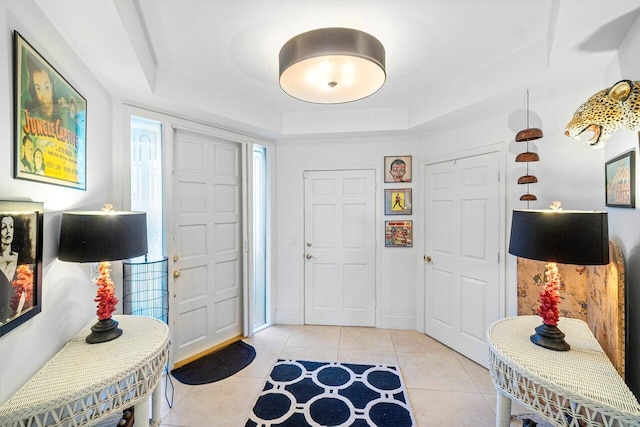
<point>216,366</point>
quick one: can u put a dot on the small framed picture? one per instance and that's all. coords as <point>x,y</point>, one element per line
<point>398,234</point>
<point>397,201</point>
<point>20,262</point>
<point>620,175</point>
<point>397,169</point>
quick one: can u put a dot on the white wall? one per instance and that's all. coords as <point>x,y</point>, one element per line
<point>624,224</point>
<point>395,266</point>
<point>67,293</point>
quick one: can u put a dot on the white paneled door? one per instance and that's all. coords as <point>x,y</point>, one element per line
<point>340,247</point>
<point>207,240</point>
<point>462,266</point>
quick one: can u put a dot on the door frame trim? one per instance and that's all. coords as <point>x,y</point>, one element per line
<point>500,148</point>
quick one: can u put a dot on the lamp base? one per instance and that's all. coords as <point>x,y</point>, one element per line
<point>549,336</point>
<point>103,331</point>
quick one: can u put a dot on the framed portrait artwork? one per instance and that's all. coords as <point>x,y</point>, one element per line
<point>620,175</point>
<point>398,234</point>
<point>50,122</point>
<point>397,169</point>
<point>397,201</point>
<point>20,262</point>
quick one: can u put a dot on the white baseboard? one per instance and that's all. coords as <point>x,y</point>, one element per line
<point>391,322</point>
<point>384,322</point>
<point>288,318</point>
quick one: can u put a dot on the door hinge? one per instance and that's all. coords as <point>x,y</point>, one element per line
<point>498,257</point>
<point>498,176</point>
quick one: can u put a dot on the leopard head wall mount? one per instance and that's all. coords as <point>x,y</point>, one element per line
<point>606,112</point>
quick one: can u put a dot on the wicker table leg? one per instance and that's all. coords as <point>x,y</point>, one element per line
<point>156,401</point>
<point>503,410</point>
<point>142,414</point>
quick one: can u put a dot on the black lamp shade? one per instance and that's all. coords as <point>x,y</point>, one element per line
<point>98,236</point>
<point>566,237</point>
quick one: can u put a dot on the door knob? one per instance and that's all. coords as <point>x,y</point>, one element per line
<point>427,258</point>
<point>176,274</point>
<point>309,256</point>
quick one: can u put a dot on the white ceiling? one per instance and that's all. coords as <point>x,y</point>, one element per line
<point>217,60</point>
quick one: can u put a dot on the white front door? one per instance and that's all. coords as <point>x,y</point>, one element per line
<point>462,235</point>
<point>340,247</point>
<point>207,242</point>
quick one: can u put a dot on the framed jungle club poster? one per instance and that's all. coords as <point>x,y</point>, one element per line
<point>50,122</point>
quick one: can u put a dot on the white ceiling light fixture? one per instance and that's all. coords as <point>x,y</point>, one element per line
<point>332,66</point>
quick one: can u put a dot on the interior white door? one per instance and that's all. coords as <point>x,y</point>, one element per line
<point>462,269</point>
<point>339,232</point>
<point>207,242</point>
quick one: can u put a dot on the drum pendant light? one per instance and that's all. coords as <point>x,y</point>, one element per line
<point>332,65</point>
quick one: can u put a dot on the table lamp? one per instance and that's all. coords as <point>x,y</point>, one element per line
<point>103,236</point>
<point>558,236</point>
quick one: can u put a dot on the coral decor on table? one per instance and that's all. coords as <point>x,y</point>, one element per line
<point>549,296</point>
<point>105,297</point>
<point>23,288</point>
<point>548,335</point>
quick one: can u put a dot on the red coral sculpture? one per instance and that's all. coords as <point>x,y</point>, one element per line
<point>23,289</point>
<point>549,297</point>
<point>106,297</point>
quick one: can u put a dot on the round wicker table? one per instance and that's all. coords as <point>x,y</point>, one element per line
<point>85,383</point>
<point>576,388</point>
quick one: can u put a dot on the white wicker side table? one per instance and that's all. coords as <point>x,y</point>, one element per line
<point>85,383</point>
<point>576,388</point>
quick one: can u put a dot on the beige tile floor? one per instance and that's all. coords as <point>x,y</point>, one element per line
<point>445,388</point>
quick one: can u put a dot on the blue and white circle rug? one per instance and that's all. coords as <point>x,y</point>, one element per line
<point>302,393</point>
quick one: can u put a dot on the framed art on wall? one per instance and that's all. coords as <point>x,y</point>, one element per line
<point>398,234</point>
<point>50,122</point>
<point>397,201</point>
<point>620,175</point>
<point>20,262</point>
<point>397,169</point>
